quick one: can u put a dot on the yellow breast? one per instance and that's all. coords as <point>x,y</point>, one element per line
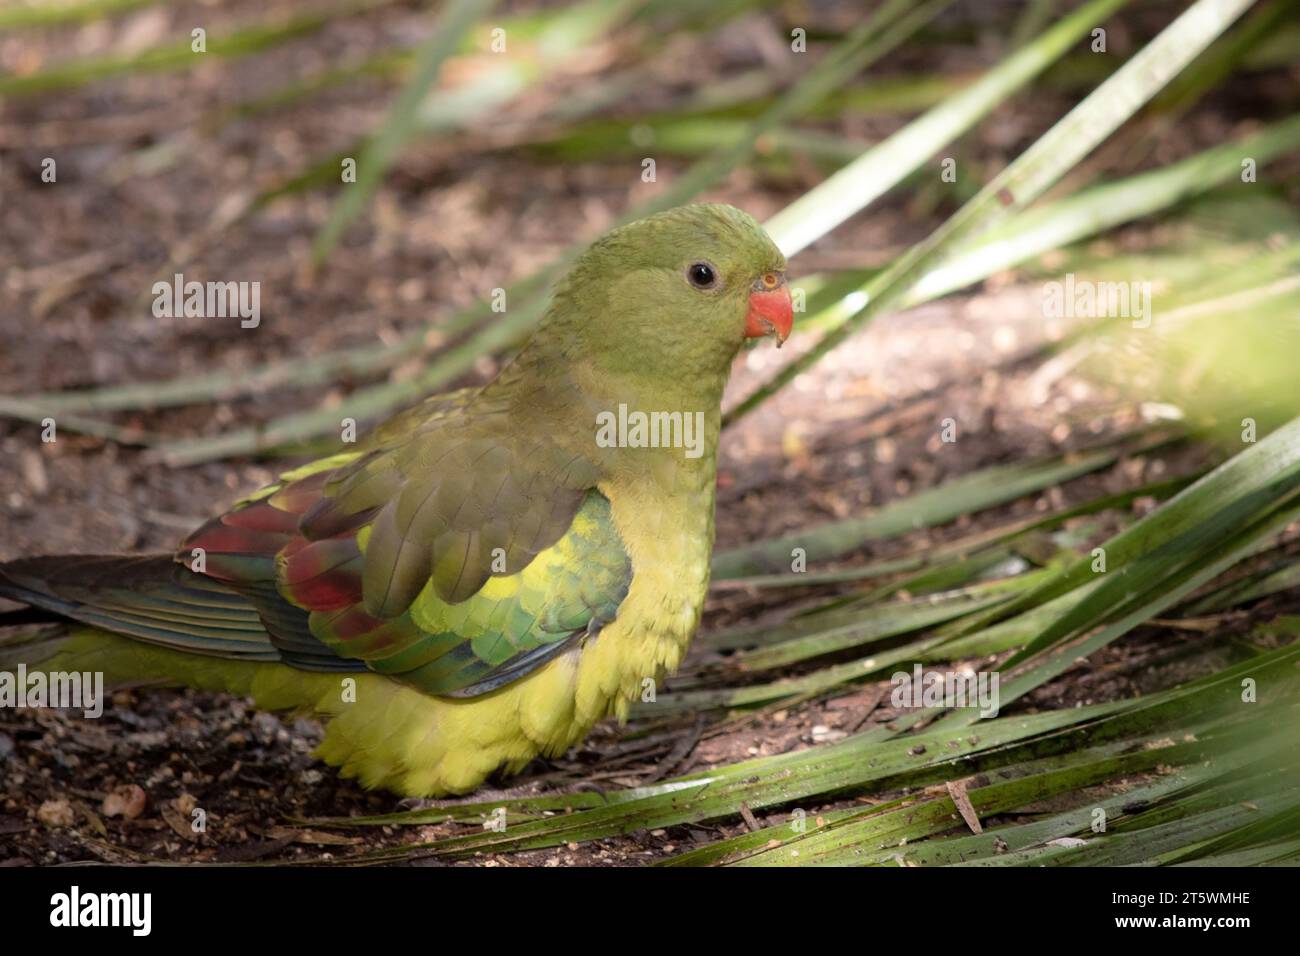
<point>391,736</point>
<point>397,738</point>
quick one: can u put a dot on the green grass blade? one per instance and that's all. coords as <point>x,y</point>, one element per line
<point>885,165</point>
<point>455,20</point>
<point>1032,173</point>
<point>965,495</point>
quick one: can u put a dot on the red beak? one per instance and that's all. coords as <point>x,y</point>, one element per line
<point>770,313</point>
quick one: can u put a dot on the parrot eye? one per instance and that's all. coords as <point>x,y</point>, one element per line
<point>702,275</point>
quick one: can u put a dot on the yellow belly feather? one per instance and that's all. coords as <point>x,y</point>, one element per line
<point>388,735</point>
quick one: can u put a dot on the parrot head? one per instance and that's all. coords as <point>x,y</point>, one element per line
<point>675,294</point>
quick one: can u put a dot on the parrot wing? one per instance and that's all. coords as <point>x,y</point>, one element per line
<point>448,553</point>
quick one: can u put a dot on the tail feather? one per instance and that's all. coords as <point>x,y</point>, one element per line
<point>150,598</point>
<point>29,646</point>
<point>153,598</point>
<point>27,615</point>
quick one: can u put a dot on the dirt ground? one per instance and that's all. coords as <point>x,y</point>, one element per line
<point>459,215</point>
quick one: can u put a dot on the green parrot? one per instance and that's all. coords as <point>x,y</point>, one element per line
<point>491,571</point>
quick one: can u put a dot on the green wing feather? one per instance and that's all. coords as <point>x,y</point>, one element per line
<point>446,552</point>
<point>510,625</point>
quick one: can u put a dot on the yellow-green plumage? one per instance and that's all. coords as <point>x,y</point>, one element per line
<point>479,582</point>
<point>390,736</point>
